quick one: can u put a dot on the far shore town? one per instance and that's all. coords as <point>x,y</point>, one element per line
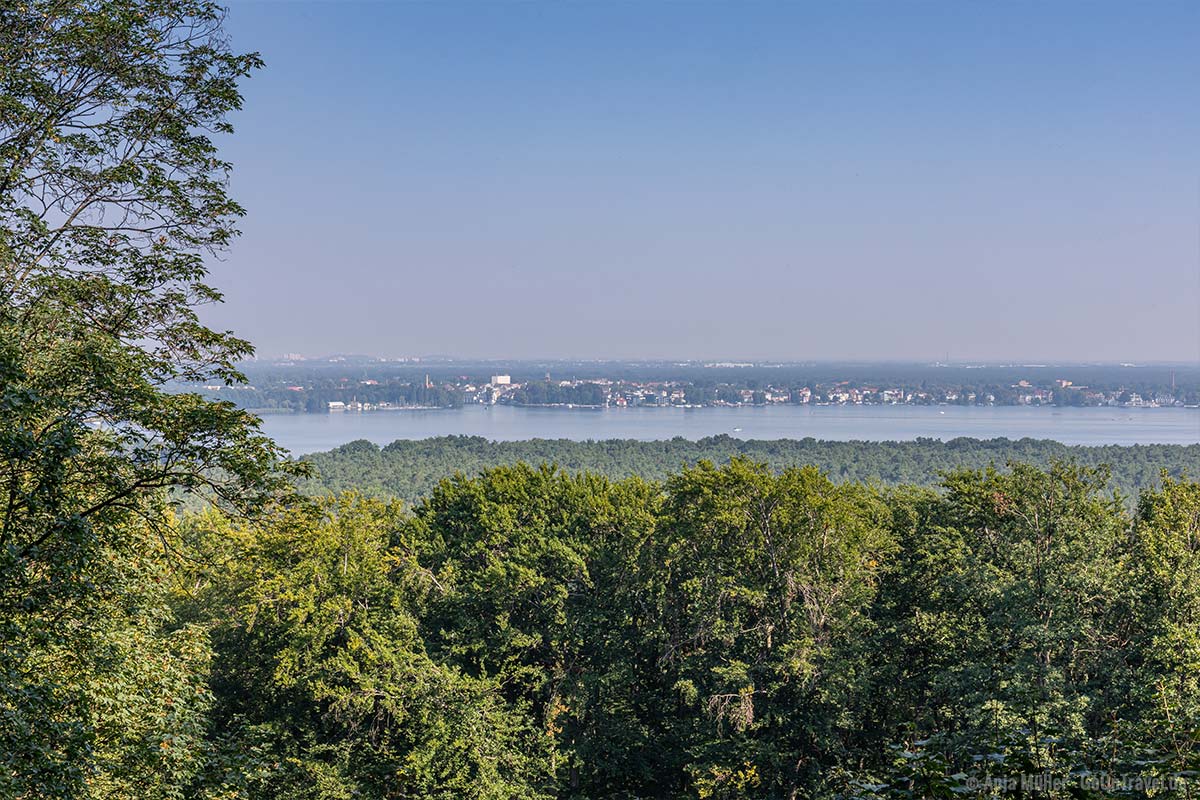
<point>329,389</point>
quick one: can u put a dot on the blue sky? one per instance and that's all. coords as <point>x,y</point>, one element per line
<point>717,179</point>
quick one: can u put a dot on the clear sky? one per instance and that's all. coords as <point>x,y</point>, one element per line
<point>835,180</point>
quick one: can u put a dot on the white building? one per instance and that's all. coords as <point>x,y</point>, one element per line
<point>501,380</point>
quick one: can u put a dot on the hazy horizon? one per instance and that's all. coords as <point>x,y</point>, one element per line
<point>416,358</point>
<point>711,181</point>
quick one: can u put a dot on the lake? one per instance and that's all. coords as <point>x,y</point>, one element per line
<point>307,433</point>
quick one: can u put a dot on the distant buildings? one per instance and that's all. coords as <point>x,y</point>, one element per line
<point>336,392</point>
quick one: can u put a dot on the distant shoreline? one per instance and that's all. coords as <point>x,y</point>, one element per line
<point>581,407</point>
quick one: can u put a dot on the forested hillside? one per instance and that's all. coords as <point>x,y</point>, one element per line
<point>731,633</point>
<point>410,469</point>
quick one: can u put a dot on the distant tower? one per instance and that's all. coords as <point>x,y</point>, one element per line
<point>1172,380</point>
<point>428,385</point>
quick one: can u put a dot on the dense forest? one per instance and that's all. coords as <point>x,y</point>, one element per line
<point>409,470</point>
<point>729,633</point>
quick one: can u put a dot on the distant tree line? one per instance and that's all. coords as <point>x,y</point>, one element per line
<point>1180,381</point>
<point>316,399</point>
<point>541,393</point>
<point>305,391</point>
<point>410,469</point>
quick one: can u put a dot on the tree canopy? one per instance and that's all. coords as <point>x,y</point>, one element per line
<point>731,633</point>
<point>408,470</point>
<point>112,194</point>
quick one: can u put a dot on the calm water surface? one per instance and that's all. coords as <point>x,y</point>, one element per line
<point>307,433</point>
